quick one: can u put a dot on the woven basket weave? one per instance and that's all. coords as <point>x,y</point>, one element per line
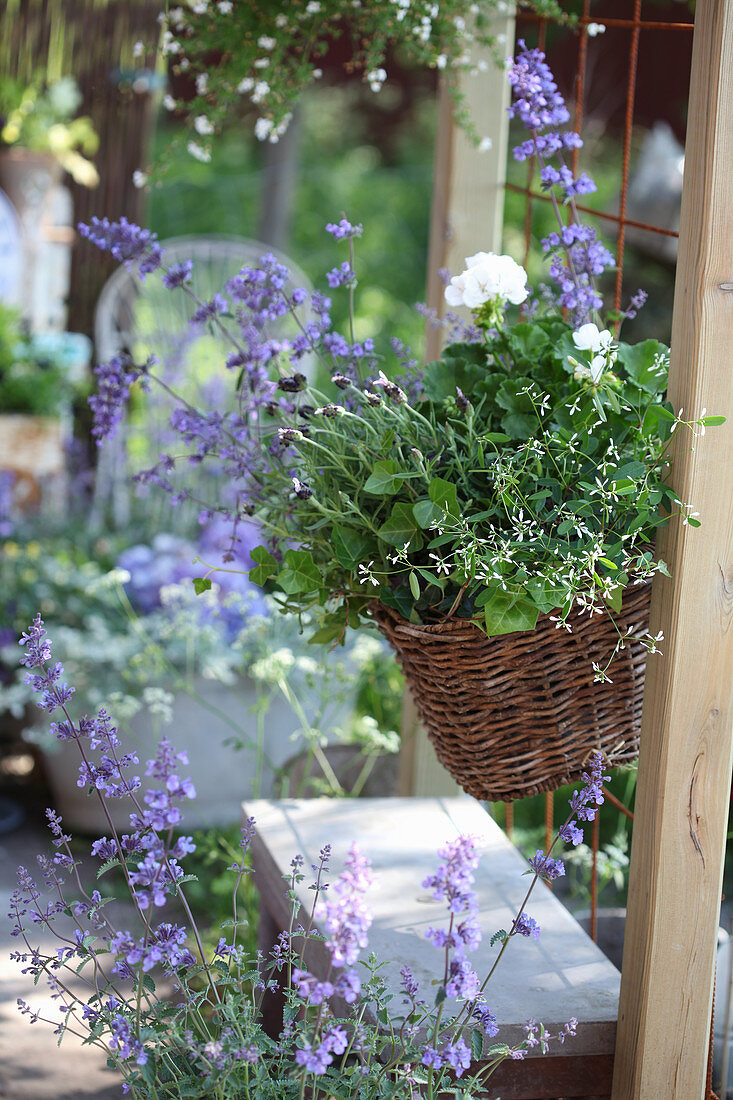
<point>517,714</point>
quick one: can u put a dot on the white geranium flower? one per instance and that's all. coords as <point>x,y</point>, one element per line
<point>488,276</point>
<point>590,338</point>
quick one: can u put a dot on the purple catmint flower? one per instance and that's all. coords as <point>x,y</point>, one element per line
<point>348,917</point>
<point>208,310</point>
<point>537,102</point>
<point>178,275</point>
<point>577,253</point>
<point>584,802</point>
<point>314,1061</point>
<point>344,229</point>
<point>486,1018</point>
<point>309,988</point>
<point>526,926</point>
<point>546,867</point>
<point>570,833</point>
<point>463,981</point>
<point>431,1057</point>
<point>114,380</point>
<point>636,302</point>
<point>123,1040</point>
<point>457,1056</point>
<point>347,986</point>
<point>409,983</point>
<point>343,275</point>
<point>127,242</point>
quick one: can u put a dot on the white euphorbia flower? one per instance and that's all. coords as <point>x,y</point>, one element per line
<point>487,277</point>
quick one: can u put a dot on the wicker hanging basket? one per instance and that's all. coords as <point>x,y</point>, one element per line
<point>517,714</point>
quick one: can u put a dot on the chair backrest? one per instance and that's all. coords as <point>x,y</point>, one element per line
<point>145,318</point>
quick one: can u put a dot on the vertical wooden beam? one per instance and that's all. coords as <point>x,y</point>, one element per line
<point>468,183</point>
<point>466,216</point>
<point>687,729</point>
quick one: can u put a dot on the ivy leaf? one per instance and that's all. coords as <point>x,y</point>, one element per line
<point>349,546</point>
<point>385,479</point>
<point>427,513</point>
<point>299,574</point>
<point>201,584</point>
<point>507,612</point>
<point>401,528</point>
<point>328,634</point>
<point>265,568</point>
<point>444,493</point>
<point>614,598</point>
<point>647,364</point>
<point>657,421</point>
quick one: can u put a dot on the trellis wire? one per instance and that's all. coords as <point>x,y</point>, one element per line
<point>635,25</point>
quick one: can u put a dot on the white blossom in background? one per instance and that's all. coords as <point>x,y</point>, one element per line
<point>139,179</point>
<point>596,28</point>
<point>225,7</point>
<point>245,85</point>
<point>138,49</point>
<point>202,125</point>
<point>263,128</point>
<point>202,83</point>
<point>198,152</point>
<point>376,79</point>
<point>169,102</point>
<point>488,277</point>
<point>485,144</point>
<point>265,42</point>
<point>261,91</point>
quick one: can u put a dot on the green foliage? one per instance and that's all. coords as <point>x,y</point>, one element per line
<point>41,118</point>
<point>33,378</point>
<point>543,492</point>
<point>268,54</point>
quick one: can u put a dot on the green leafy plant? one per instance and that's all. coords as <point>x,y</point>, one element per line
<point>39,375</point>
<point>41,118</point>
<point>267,54</point>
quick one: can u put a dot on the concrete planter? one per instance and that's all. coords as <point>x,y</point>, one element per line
<point>204,728</point>
<point>32,450</point>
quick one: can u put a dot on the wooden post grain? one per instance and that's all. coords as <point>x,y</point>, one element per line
<point>466,216</point>
<point>687,727</point>
<point>468,184</point>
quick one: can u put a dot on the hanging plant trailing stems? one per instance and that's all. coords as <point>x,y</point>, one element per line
<point>268,54</point>
<point>522,475</point>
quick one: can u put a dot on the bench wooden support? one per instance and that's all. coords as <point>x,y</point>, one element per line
<point>562,975</point>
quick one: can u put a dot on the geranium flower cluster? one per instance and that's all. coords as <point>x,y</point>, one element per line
<point>154,1043</point>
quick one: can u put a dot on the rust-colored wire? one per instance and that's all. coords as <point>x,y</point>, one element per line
<point>619,805</point>
<point>596,213</point>
<point>628,128</point>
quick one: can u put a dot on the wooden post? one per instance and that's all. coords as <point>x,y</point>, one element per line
<point>466,216</point>
<point>468,183</point>
<point>687,729</point>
